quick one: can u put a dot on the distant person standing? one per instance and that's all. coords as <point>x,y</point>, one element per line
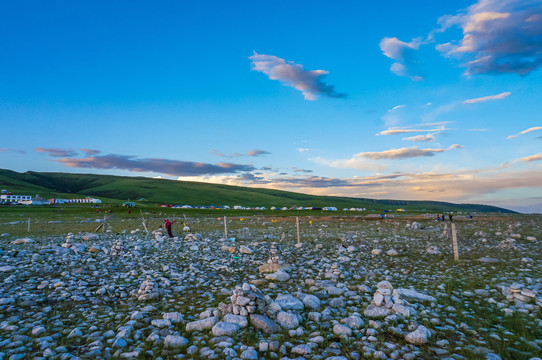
<point>450,216</point>
<point>168,226</point>
<point>438,218</point>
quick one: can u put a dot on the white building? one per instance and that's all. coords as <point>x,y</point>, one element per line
<point>9,198</point>
<point>87,200</point>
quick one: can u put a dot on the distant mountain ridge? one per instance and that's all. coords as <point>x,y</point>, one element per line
<point>123,188</point>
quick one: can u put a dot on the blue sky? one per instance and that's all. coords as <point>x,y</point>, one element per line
<point>403,100</point>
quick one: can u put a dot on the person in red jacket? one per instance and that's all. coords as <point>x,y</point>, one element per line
<point>168,226</point>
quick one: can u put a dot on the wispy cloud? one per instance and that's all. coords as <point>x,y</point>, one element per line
<point>161,166</point>
<point>404,153</point>
<point>302,149</point>
<point>251,153</point>
<point>256,152</point>
<point>488,98</point>
<point>407,63</point>
<point>525,132</point>
<point>537,157</point>
<point>54,152</point>
<point>22,152</point>
<point>395,131</point>
<point>397,107</point>
<point>299,170</point>
<point>352,163</point>
<point>91,151</point>
<point>499,36</point>
<point>422,138</point>
<point>441,126</point>
<point>309,82</point>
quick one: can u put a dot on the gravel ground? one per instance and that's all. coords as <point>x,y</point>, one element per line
<point>350,290</point>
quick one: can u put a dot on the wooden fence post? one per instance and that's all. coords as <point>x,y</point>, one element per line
<point>226,227</point>
<point>454,243</point>
<point>297,224</point>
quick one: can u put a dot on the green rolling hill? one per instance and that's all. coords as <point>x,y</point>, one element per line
<point>122,188</point>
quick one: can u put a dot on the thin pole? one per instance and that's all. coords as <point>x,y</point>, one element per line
<point>28,224</point>
<point>454,243</point>
<point>226,227</point>
<point>297,224</point>
<point>144,225</point>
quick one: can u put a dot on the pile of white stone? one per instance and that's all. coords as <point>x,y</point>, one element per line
<point>148,290</point>
<point>507,244</point>
<point>433,250</point>
<point>69,241</point>
<point>274,257</point>
<point>118,248</point>
<point>386,301</point>
<point>275,262</point>
<point>246,299</point>
<point>193,237</point>
<point>413,226</point>
<point>520,295</point>
<point>334,273</point>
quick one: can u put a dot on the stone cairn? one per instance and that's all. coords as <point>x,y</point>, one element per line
<point>275,262</point>
<point>386,301</point>
<point>193,237</point>
<point>246,299</point>
<point>507,244</point>
<point>413,226</point>
<point>433,250</point>
<point>444,232</point>
<point>118,248</point>
<point>148,290</point>
<point>519,294</point>
<point>69,241</point>
<point>274,257</point>
<point>334,273</point>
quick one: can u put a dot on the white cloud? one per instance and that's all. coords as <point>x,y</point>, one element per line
<point>424,138</point>
<point>405,56</point>
<point>352,163</point>
<point>397,107</point>
<point>488,98</point>
<point>251,153</point>
<point>456,146</point>
<point>537,157</point>
<point>302,149</point>
<point>499,36</point>
<point>395,131</point>
<point>309,82</point>
<point>525,132</point>
<point>404,153</point>
<point>407,130</point>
